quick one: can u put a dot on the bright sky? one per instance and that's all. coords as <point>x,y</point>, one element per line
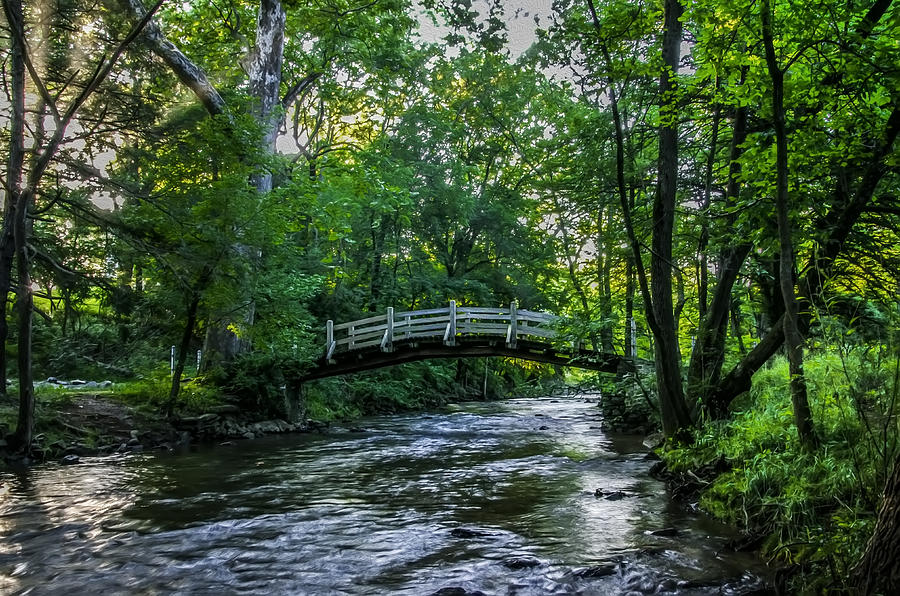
<point>520,22</point>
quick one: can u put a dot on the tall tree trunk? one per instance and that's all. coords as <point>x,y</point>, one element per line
<point>703,242</point>
<point>183,348</point>
<point>629,335</point>
<point>14,211</point>
<point>24,312</point>
<point>222,344</point>
<point>22,195</point>
<point>673,409</point>
<point>572,267</point>
<point>708,354</point>
<point>792,336</point>
<point>604,267</point>
<point>877,571</point>
<point>376,283</point>
<point>14,168</point>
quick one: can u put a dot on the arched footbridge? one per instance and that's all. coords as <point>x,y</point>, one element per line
<point>452,332</point>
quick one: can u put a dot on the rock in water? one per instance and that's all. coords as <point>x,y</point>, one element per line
<point>457,591</point>
<point>654,441</point>
<point>521,563</point>
<point>615,495</point>
<point>469,533</point>
<point>70,460</point>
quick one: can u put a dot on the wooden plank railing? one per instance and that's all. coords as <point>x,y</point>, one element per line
<point>447,324</point>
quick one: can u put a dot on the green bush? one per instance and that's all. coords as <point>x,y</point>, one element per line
<point>811,508</point>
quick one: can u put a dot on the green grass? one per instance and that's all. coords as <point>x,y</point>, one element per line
<point>812,509</point>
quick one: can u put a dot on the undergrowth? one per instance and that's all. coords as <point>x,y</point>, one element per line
<point>811,510</point>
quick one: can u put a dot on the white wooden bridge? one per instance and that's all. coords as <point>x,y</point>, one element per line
<point>451,332</point>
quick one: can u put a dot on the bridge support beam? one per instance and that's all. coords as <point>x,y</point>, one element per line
<point>330,345</point>
<point>387,342</point>
<point>512,331</point>
<point>450,333</point>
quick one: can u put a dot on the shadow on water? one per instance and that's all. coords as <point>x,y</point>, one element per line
<point>498,498</point>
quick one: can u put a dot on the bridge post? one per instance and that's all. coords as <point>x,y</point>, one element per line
<point>329,340</point>
<point>387,344</point>
<point>513,329</point>
<point>450,333</point>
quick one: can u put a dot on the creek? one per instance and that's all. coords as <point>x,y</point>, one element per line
<point>492,497</point>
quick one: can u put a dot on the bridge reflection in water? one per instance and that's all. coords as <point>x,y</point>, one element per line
<point>453,332</point>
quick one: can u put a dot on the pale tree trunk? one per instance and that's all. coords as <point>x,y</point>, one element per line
<point>674,412</point>
<point>792,337</point>
<point>222,343</point>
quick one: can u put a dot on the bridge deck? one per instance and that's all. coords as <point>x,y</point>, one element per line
<point>452,332</point>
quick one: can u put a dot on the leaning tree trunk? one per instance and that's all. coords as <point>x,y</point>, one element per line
<point>838,223</point>
<point>186,336</point>
<point>877,571</point>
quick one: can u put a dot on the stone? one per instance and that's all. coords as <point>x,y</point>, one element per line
<point>521,563</point>
<point>91,385</point>
<point>469,533</point>
<point>3,444</point>
<point>225,409</point>
<point>457,591</point>
<point>134,434</point>
<point>206,418</point>
<point>136,448</point>
<point>77,382</point>
<point>248,435</point>
<point>106,384</point>
<point>133,441</point>
<point>615,495</point>
<point>654,441</point>
<point>70,460</point>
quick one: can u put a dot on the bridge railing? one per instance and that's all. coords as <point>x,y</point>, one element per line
<point>447,324</point>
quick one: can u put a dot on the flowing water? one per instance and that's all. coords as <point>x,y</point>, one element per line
<point>497,498</point>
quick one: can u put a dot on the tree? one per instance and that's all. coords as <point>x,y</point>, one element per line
<point>23,187</point>
<point>877,571</point>
<point>793,337</point>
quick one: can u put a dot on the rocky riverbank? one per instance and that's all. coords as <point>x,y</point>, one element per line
<point>91,424</point>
